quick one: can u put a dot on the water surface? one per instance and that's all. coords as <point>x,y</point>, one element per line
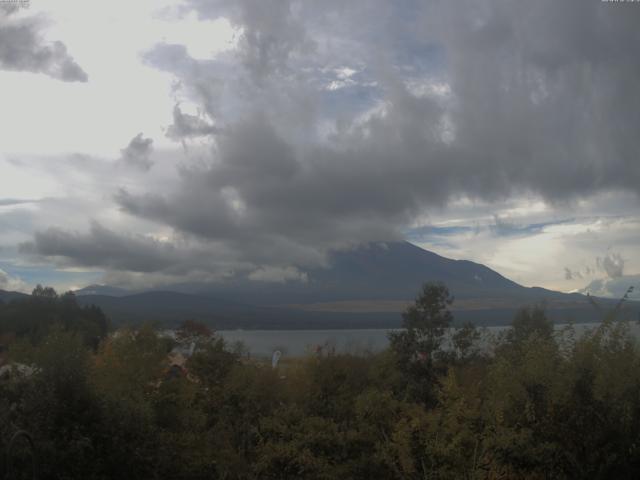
<point>301,342</point>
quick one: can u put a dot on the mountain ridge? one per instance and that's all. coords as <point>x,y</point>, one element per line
<point>6,295</point>
<point>364,287</point>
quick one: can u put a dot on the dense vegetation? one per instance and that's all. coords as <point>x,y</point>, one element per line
<point>532,403</point>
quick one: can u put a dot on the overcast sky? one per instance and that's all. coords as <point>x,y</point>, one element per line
<point>150,142</point>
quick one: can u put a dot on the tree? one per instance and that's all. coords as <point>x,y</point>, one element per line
<point>34,316</point>
<point>465,340</point>
<point>530,321</point>
<point>418,345</point>
<point>194,335</point>
<point>57,405</point>
<point>426,320</point>
<point>44,292</point>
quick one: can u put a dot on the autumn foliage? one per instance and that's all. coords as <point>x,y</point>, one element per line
<point>532,403</point>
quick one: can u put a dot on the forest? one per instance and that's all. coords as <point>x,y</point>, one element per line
<point>533,402</point>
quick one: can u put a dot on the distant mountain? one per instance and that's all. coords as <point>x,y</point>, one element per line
<point>364,287</point>
<point>382,271</point>
<point>163,305</point>
<point>6,296</point>
<point>102,290</point>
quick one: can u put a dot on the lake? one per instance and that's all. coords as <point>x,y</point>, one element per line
<point>300,342</point>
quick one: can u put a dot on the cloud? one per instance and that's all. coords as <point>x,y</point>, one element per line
<point>547,134</point>
<point>612,264</point>
<point>102,247</point>
<point>271,32</point>
<point>188,126</point>
<point>278,275</point>
<point>260,197</point>
<point>138,151</point>
<point>22,48</point>
<point>11,283</point>
<point>9,202</point>
<point>614,287</point>
<point>571,274</point>
<point>503,226</point>
<point>451,100</point>
<point>163,260</point>
<point>535,82</point>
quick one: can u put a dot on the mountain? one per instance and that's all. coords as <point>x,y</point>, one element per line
<point>365,287</point>
<point>6,296</point>
<point>381,271</point>
<point>102,290</point>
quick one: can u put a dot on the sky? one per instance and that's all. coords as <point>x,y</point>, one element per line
<point>156,142</point>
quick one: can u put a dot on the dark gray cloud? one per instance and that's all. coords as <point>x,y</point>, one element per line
<point>485,100</point>
<point>160,262</point>
<point>22,48</point>
<point>138,152</point>
<point>186,126</point>
<point>543,92</point>
<point>104,248</point>
<point>259,193</point>
<point>524,114</point>
<point>571,274</point>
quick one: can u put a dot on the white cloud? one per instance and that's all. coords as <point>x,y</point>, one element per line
<point>123,96</point>
<point>614,287</point>
<point>11,283</point>
<point>532,248</point>
<point>277,275</point>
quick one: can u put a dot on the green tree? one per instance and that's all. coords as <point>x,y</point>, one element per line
<point>530,321</point>
<point>58,407</point>
<point>465,341</point>
<point>35,316</point>
<point>429,317</point>
<point>418,346</point>
<point>44,293</point>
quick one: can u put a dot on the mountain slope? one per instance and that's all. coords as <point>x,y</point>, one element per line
<point>391,271</point>
<point>6,296</point>
<point>102,290</point>
<point>365,287</point>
